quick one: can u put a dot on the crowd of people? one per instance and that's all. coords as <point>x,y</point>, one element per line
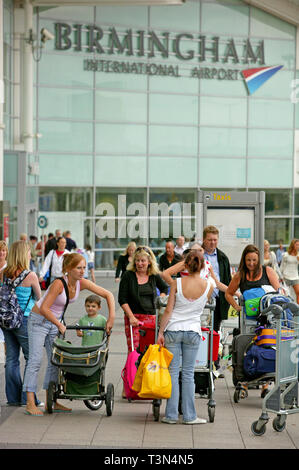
<point>189,273</point>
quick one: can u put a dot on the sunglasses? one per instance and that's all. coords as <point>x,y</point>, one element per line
<point>143,248</point>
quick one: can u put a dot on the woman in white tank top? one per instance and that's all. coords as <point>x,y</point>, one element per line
<point>180,333</point>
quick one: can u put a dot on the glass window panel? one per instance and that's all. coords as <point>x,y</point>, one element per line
<point>120,81</point>
<point>7,131</point>
<point>65,136</point>
<point>78,14</point>
<point>10,194</point>
<point>65,169</point>
<point>183,84</point>
<point>120,106</point>
<point>295,97</point>
<point>278,201</point>
<point>265,25</point>
<point>128,15</point>
<point>172,171</point>
<point>223,111</point>
<point>223,87</point>
<point>296,208</point>
<point>66,70</point>
<point>278,86</point>
<point>263,173</point>
<point>276,114</point>
<point>115,170</point>
<point>114,196</point>
<point>278,229</point>
<point>185,17</point>
<point>225,18</point>
<point>173,140</point>
<point>296,230</point>
<point>65,103</point>
<point>123,139</point>
<point>65,200</point>
<point>223,142</point>
<point>173,109</point>
<point>222,172</point>
<point>270,143</point>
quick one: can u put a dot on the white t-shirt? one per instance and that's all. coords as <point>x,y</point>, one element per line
<point>289,267</point>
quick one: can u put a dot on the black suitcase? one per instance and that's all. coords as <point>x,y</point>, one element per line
<point>239,346</point>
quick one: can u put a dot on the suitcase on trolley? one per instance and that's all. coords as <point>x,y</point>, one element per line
<point>239,345</point>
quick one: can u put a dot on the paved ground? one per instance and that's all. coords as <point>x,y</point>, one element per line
<point>132,425</point>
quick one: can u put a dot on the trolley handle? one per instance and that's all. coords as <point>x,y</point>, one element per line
<point>277,310</point>
<point>211,304</point>
<point>78,327</point>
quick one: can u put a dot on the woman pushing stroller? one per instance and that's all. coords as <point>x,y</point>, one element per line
<point>45,323</point>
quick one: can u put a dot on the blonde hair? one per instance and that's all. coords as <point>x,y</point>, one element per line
<point>128,246</point>
<point>3,246</point>
<point>17,259</point>
<point>70,261</point>
<point>144,251</point>
<point>292,245</point>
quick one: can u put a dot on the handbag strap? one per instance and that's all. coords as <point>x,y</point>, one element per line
<point>67,297</point>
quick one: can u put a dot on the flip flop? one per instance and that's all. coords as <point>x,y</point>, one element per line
<point>32,414</point>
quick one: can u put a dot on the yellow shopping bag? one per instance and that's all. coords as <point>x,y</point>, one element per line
<point>156,380</point>
<point>138,377</point>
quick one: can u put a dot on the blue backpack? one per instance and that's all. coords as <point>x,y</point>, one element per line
<point>259,361</point>
<point>11,314</point>
<point>275,298</point>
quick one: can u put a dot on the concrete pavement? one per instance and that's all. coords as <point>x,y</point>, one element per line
<point>131,425</point>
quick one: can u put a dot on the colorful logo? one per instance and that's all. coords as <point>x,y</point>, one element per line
<point>255,78</point>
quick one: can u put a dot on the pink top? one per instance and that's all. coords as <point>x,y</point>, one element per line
<point>57,306</point>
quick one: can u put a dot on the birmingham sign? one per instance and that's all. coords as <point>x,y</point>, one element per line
<point>184,47</point>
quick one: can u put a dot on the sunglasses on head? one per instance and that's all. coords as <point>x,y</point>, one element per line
<point>143,248</point>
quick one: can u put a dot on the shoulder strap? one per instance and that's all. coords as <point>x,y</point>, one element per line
<point>179,285</point>
<point>18,280</point>
<point>67,297</point>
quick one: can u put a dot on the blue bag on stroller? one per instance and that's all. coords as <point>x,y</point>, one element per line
<point>275,298</point>
<point>259,361</point>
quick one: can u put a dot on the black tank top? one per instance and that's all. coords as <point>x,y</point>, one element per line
<point>263,281</point>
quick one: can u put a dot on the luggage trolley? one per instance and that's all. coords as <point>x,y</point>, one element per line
<point>203,371</point>
<point>283,398</point>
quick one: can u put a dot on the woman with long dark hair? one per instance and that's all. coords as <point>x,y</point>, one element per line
<point>250,274</point>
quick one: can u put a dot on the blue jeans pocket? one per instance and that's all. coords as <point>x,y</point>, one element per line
<point>36,319</point>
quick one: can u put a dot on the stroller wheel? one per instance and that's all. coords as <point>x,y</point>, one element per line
<point>93,405</point>
<point>51,396</point>
<point>109,399</point>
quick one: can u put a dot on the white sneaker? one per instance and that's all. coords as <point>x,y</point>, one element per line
<point>196,421</point>
<point>168,420</point>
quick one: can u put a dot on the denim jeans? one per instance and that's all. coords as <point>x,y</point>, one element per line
<point>184,346</point>
<point>15,340</point>
<point>41,333</point>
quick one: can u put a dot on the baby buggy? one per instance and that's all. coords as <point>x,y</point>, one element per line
<point>81,373</point>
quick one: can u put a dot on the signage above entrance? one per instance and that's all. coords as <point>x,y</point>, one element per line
<point>218,58</point>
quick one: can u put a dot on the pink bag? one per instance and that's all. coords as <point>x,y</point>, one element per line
<point>129,371</point>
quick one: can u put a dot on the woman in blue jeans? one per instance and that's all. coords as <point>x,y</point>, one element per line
<point>16,339</point>
<point>180,333</point>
